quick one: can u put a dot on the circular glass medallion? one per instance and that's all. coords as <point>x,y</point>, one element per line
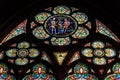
<point>60,25</point>
<point>22,52</point>
<point>98,52</point>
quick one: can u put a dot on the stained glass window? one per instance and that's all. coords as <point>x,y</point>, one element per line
<point>60,43</point>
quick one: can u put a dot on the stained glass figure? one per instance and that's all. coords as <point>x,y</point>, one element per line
<point>80,17</point>
<point>102,29</point>
<point>4,71</point>
<point>81,33</point>
<point>39,73</point>
<point>46,57</point>
<point>20,29</point>
<point>60,41</point>
<point>41,17</point>
<point>61,10</point>
<point>60,56</point>
<point>81,73</point>
<point>116,74</point>
<point>60,25</point>
<point>75,57</point>
<point>98,44</point>
<point>39,33</point>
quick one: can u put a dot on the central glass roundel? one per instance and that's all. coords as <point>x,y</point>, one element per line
<point>60,25</point>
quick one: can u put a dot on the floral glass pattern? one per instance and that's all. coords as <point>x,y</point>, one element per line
<point>97,51</point>
<point>22,53</point>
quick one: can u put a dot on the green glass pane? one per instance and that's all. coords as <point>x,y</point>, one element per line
<point>60,41</point>
<point>61,10</point>
<point>41,17</point>
<point>39,33</point>
<point>80,17</point>
<point>81,33</point>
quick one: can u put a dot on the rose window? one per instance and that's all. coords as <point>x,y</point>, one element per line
<point>61,26</point>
